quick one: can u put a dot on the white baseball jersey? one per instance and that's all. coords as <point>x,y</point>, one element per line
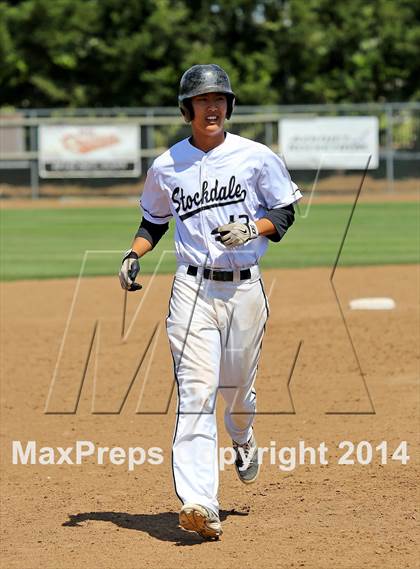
<point>239,180</point>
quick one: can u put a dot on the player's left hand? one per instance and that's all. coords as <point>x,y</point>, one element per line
<point>235,233</point>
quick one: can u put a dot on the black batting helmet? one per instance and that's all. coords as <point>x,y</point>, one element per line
<point>200,79</point>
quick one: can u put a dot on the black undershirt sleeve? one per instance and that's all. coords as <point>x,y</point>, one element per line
<point>152,232</point>
<point>282,218</point>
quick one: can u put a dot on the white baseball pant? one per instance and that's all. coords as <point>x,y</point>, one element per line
<point>215,331</point>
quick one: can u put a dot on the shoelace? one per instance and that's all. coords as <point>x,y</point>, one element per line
<point>246,447</point>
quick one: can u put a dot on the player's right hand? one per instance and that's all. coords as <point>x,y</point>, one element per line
<point>130,268</point>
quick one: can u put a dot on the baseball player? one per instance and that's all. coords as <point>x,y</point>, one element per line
<point>229,196</point>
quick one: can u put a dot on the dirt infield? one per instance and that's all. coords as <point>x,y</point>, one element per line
<point>314,515</point>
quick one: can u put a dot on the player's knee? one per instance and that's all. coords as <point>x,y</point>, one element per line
<point>199,399</point>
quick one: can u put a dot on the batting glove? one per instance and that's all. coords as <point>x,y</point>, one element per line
<point>234,234</point>
<point>130,268</point>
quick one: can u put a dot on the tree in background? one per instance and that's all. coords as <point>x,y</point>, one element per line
<point>107,53</point>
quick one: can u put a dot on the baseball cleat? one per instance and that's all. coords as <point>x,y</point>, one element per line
<point>246,463</point>
<point>194,517</point>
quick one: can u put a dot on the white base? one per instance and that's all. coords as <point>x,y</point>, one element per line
<point>372,304</point>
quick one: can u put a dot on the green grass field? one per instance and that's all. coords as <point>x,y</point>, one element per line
<point>51,243</point>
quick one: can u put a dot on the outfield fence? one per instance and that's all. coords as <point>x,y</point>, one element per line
<point>160,127</point>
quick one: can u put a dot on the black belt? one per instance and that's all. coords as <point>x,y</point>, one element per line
<point>216,275</point>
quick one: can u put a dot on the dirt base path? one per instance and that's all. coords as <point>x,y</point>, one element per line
<point>313,515</point>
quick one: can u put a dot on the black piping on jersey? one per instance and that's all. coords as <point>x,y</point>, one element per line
<point>157,216</point>
<point>210,206</point>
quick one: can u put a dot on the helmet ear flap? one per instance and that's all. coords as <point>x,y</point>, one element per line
<point>187,110</point>
<point>230,105</point>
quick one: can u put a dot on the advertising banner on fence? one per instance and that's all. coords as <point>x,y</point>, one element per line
<point>329,142</point>
<point>67,151</point>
